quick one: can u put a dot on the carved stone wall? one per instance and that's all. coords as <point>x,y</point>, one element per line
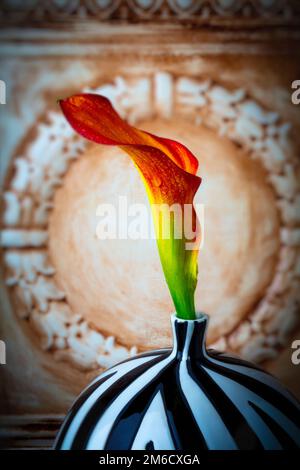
<point>41,169</point>
<point>226,87</point>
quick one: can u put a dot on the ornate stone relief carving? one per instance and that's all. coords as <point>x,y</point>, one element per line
<point>44,163</point>
<point>191,10</point>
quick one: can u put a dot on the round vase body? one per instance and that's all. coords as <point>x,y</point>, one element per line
<point>185,398</point>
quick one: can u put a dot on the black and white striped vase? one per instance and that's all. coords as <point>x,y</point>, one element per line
<point>185,398</point>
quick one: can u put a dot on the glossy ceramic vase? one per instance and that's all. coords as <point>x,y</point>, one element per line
<point>185,398</point>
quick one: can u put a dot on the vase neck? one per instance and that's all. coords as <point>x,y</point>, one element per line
<point>189,337</point>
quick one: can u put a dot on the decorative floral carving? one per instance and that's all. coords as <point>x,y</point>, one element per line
<point>193,10</point>
<point>132,102</point>
<point>41,169</point>
<point>26,265</point>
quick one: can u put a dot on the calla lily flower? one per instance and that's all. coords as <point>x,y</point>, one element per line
<point>168,170</point>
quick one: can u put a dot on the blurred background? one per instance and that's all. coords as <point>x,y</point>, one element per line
<point>217,76</point>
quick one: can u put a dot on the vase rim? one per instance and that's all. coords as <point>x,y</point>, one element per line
<point>201,317</point>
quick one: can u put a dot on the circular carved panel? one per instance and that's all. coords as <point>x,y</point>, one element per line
<point>96,302</point>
